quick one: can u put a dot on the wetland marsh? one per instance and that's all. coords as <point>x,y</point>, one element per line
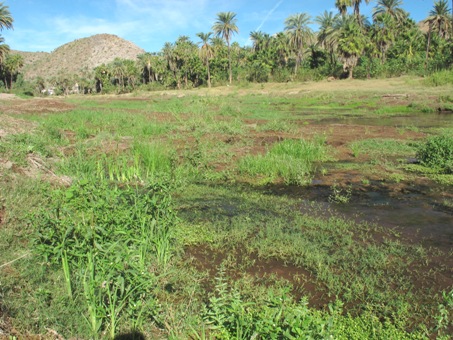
<point>271,211</point>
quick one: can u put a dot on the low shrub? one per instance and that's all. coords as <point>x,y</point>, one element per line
<point>440,78</point>
<point>437,153</point>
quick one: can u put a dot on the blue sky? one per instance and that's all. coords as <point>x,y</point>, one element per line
<point>43,25</point>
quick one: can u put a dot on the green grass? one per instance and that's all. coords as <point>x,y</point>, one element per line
<point>382,148</point>
<point>294,161</point>
<point>440,78</point>
<point>110,253</point>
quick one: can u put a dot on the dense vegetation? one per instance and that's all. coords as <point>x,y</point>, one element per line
<point>345,45</point>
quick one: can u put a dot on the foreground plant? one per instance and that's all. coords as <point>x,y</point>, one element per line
<point>108,238</point>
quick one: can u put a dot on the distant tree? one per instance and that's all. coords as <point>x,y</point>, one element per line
<point>40,85</point>
<point>224,27</point>
<point>187,61</point>
<point>342,6</point>
<point>356,4</point>
<point>390,7</point>
<point>206,52</point>
<point>144,63</point>
<point>282,48</point>
<point>440,18</point>
<point>11,66</point>
<point>327,34</point>
<point>438,21</point>
<point>6,21</point>
<point>260,40</point>
<point>383,34</point>
<point>299,35</point>
<point>168,53</point>
<point>118,71</point>
<point>351,44</point>
<point>102,77</point>
<point>4,50</point>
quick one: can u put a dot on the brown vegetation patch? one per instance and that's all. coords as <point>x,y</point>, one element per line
<point>12,126</point>
<point>36,105</point>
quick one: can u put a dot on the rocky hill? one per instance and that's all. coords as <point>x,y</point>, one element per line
<point>73,57</point>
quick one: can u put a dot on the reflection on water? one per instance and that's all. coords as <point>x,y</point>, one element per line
<point>421,120</point>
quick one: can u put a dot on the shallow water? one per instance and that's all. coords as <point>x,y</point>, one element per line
<point>416,214</point>
<point>421,120</point>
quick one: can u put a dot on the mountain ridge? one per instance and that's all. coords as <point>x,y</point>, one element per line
<point>78,56</point>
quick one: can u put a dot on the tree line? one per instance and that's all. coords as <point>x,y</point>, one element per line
<point>346,45</point>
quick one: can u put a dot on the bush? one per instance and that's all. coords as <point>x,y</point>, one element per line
<point>440,78</point>
<point>437,153</point>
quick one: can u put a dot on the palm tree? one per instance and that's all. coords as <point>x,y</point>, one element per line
<point>383,33</point>
<point>351,44</point>
<point>4,50</point>
<point>356,4</point>
<point>11,66</point>
<point>169,55</point>
<point>281,45</point>
<point>225,26</point>
<point>144,63</point>
<point>206,52</point>
<point>118,70</point>
<point>6,20</point>
<point>439,16</point>
<point>392,8</point>
<point>327,34</point>
<point>343,5</point>
<point>438,20</point>
<point>299,34</point>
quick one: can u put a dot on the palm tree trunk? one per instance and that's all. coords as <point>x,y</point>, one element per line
<point>298,59</point>
<point>149,73</point>
<point>209,74</point>
<point>428,44</point>
<point>229,63</point>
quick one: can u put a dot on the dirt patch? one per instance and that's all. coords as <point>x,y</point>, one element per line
<point>6,96</point>
<point>35,105</point>
<point>11,126</point>
<point>263,271</point>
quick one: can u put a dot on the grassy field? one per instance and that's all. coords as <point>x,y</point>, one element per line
<point>258,212</point>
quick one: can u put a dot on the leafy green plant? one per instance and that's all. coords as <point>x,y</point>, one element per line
<point>445,311</point>
<point>106,236</point>
<point>340,195</point>
<point>437,153</point>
